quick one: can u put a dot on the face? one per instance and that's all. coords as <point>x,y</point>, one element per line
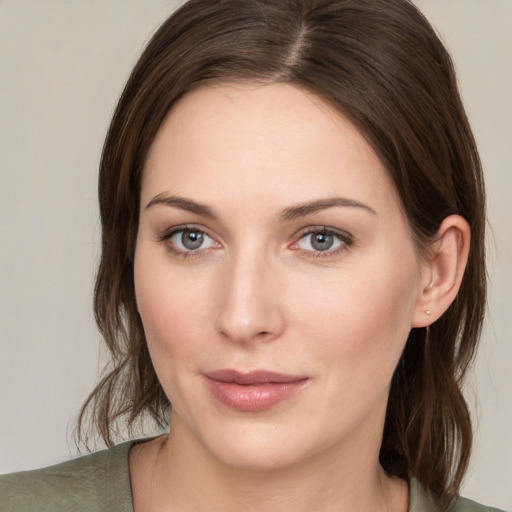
<point>275,276</point>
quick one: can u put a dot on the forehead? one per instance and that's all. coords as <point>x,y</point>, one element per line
<point>258,140</point>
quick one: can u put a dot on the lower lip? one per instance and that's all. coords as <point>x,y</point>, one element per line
<point>253,397</point>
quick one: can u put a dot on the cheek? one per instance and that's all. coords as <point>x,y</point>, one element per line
<point>166,296</point>
<point>170,311</point>
<point>360,319</point>
<point>164,306</point>
<point>177,311</point>
<point>171,332</point>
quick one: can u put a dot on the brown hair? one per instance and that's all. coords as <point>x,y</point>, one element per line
<point>380,63</point>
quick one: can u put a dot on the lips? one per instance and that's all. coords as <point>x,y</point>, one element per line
<point>254,391</point>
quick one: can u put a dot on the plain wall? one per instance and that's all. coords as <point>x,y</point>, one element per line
<point>62,67</point>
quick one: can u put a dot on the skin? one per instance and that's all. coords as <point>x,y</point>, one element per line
<point>258,295</point>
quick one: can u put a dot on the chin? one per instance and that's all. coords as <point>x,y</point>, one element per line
<point>252,446</point>
<point>256,456</point>
<point>269,446</point>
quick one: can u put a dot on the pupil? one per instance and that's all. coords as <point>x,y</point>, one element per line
<point>192,239</point>
<point>322,241</point>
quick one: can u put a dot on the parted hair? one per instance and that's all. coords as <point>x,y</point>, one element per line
<point>382,66</point>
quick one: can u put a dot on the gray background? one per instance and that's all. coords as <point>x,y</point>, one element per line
<point>62,66</point>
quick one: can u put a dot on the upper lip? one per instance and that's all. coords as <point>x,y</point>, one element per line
<point>252,377</point>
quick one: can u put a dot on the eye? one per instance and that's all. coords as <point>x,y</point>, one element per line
<point>189,240</point>
<point>323,241</point>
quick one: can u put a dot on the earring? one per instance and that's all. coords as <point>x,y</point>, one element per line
<point>427,312</point>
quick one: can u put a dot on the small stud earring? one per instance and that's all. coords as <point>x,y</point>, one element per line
<point>427,312</point>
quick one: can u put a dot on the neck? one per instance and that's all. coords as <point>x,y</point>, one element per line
<point>187,477</point>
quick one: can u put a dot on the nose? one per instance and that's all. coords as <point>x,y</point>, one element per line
<point>250,308</point>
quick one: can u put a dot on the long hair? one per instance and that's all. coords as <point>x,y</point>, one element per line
<point>382,66</point>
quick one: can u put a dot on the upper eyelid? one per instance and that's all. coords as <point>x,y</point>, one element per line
<point>168,232</point>
<point>344,235</point>
<point>324,229</point>
<point>165,237</point>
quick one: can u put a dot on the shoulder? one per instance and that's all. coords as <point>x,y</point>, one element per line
<point>99,481</point>
<point>421,501</point>
<point>460,504</point>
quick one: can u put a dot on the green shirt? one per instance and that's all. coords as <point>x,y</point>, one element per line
<point>100,482</point>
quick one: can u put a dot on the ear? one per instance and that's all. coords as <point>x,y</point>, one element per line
<point>443,269</point>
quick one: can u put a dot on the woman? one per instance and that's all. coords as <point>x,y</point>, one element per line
<point>293,220</point>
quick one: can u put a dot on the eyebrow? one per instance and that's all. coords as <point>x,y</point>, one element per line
<point>290,213</point>
<point>301,210</point>
<point>184,204</point>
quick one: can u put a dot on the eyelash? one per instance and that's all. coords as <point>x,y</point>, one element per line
<point>165,238</point>
<point>346,240</point>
